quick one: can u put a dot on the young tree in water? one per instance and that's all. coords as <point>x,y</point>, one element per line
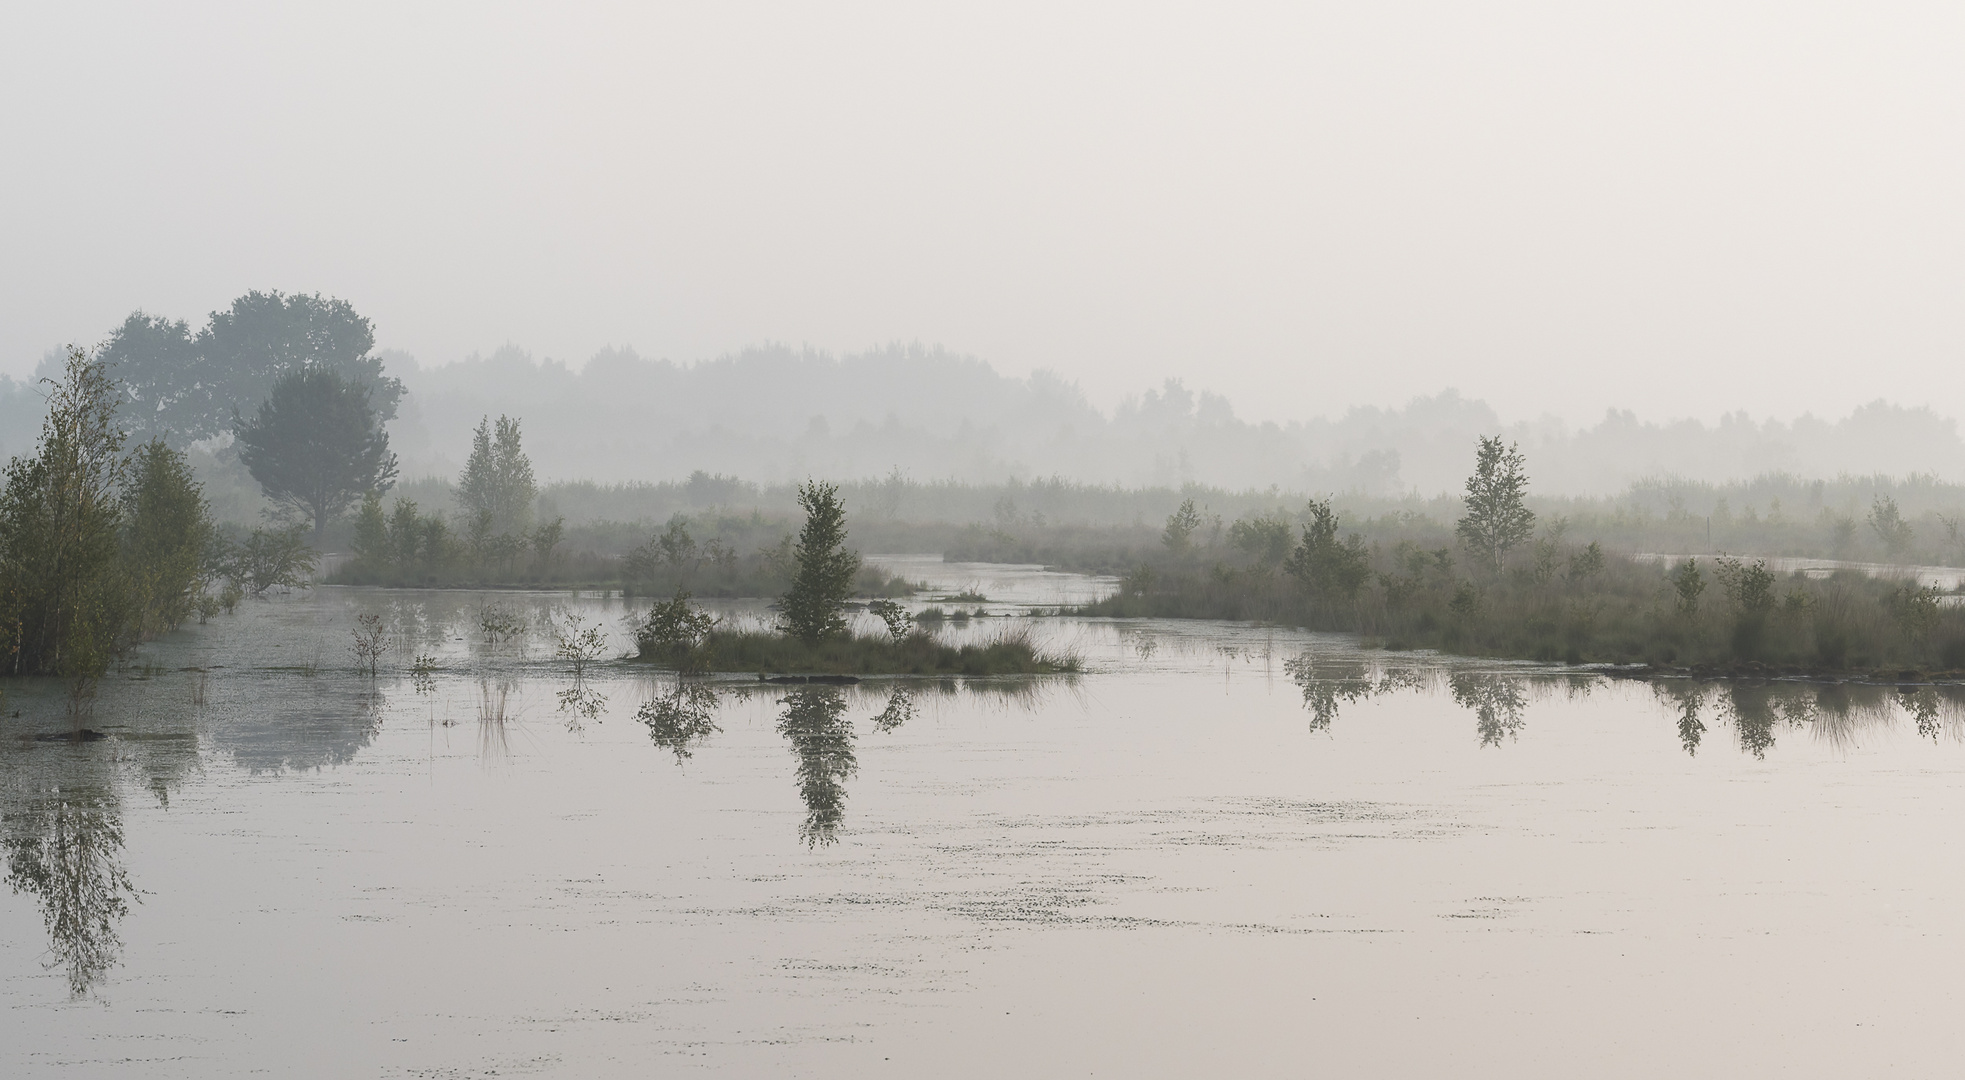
<point>63,604</point>
<point>825,569</point>
<point>1496,519</point>
<point>316,445</point>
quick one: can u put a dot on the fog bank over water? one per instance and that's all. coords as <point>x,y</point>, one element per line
<point>775,413</point>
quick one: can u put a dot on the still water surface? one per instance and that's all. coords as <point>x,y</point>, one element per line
<point>1224,850</point>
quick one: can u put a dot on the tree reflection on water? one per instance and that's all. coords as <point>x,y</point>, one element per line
<point>1498,702</point>
<point>1836,713</point>
<point>64,846</point>
<point>680,718</point>
<point>61,826</point>
<point>1688,698</point>
<point>899,710</point>
<point>815,723</point>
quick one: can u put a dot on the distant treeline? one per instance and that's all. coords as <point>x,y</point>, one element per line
<point>1108,528</point>
<point>780,414</point>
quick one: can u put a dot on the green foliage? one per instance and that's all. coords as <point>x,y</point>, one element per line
<point>497,486</point>
<point>1264,539</point>
<point>166,394</point>
<point>316,445</point>
<point>372,530</point>
<point>576,642</point>
<point>899,623</point>
<point>1749,589</point>
<point>184,389</point>
<point>1179,535</point>
<point>545,539</point>
<point>1496,518</point>
<point>1890,527</point>
<point>1688,584</point>
<point>672,631</point>
<point>825,569</point>
<point>1607,609</point>
<point>1329,568</point>
<point>64,605</point>
<point>1587,563</point>
<point>1913,608</point>
<point>169,546</point>
<point>736,650</point>
<point>271,558</point>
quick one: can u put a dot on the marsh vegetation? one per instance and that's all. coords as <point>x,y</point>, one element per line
<point>1501,583</point>
<point>812,634</point>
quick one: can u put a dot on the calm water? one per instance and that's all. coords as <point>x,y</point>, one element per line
<point>1224,850</point>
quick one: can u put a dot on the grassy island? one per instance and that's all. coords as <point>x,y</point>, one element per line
<point>1505,585</point>
<point>812,637</point>
<point>917,653</point>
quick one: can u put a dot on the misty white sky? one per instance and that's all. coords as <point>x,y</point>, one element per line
<point>1682,209</point>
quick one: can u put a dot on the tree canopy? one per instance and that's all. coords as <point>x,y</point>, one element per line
<point>497,488</point>
<point>316,444</point>
<point>1496,519</point>
<point>61,605</point>
<point>825,569</point>
<point>184,387</point>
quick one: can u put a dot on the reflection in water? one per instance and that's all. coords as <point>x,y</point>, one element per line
<point>1325,683</point>
<point>1754,710</point>
<point>1837,713</point>
<point>899,710</point>
<point>1688,698</point>
<point>681,717</point>
<point>64,845</point>
<point>494,697</point>
<point>815,721</point>
<point>1497,700</point>
<point>581,703</point>
<point>304,724</point>
<point>1924,706</point>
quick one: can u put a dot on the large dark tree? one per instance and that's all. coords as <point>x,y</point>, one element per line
<point>317,444</point>
<point>169,393</point>
<point>184,388</point>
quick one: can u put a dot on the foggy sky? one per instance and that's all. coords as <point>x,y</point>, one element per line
<point>1681,209</point>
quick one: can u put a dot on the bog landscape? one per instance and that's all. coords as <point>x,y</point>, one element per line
<point>623,540</point>
<point>822,764</point>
